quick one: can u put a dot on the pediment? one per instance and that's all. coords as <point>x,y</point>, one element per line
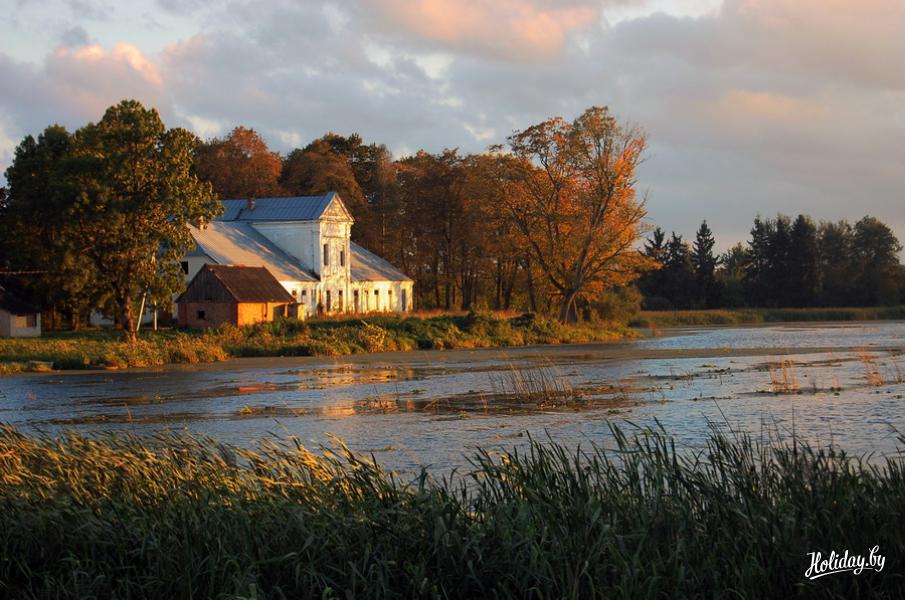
<point>337,211</point>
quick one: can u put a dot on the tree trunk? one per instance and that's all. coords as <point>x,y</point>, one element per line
<point>567,312</point>
<point>532,297</point>
<point>126,319</point>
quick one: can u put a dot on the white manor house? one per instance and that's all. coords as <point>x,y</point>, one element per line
<point>305,244</point>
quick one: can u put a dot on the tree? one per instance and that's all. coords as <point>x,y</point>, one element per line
<point>239,165</point>
<point>837,269</point>
<point>804,263</point>
<point>135,194</point>
<point>705,264</point>
<point>876,254</point>
<point>651,283</point>
<point>679,273</point>
<point>731,274</point>
<point>37,233</point>
<point>778,254</point>
<point>757,277</point>
<point>576,205</point>
<point>319,169</point>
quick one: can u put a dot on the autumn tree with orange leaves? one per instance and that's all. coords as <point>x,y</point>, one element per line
<point>240,165</point>
<point>573,200</point>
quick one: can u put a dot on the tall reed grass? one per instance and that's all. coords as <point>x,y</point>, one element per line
<point>180,517</point>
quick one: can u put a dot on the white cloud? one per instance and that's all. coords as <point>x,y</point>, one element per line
<point>482,134</point>
<point>205,128</point>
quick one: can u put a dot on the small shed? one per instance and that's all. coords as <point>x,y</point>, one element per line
<point>18,318</point>
<point>233,294</point>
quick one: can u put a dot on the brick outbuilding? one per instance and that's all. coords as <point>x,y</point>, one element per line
<point>233,294</point>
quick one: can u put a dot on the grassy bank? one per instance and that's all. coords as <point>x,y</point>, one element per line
<point>330,337</point>
<point>172,517</point>
<point>745,316</point>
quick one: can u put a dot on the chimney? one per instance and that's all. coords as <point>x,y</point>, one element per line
<point>250,204</point>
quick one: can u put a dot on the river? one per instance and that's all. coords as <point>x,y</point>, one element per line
<point>828,384</point>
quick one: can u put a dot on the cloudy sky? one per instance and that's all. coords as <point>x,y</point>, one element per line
<point>751,106</point>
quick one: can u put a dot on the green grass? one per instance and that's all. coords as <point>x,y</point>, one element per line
<point>331,337</point>
<point>745,316</point>
<point>177,517</point>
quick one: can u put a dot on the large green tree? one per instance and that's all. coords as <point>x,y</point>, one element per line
<point>37,234</point>
<point>135,194</point>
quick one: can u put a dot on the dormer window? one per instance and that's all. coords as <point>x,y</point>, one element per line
<point>326,255</point>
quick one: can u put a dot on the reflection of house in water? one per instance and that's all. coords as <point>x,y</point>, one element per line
<point>305,244</point>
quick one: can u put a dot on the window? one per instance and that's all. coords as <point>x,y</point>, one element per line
<point>304,293</point>
<point>31,320</point>
<point>326,255</point>
<point>295,294</point>
<point>341,305</point>
<point>328,300</point>
<point>404,307</point>
<point>342,258</point>
<point>201,315</point>
<point>185,267</point>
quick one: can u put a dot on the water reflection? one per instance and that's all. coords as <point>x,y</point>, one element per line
<point>835,384</point>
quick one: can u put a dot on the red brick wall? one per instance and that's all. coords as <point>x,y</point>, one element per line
<point>215,313</point>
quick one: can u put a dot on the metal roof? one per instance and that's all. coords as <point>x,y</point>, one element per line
<point>236,243</point>
<point>297,208</point>
<point>367,266</point>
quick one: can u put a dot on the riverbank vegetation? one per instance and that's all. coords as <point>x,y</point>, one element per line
<point>754,316</point>
<point>172,516</point>
<point>327,337</point>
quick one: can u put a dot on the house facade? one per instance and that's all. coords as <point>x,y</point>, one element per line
<point>305,243</point>
<point>232,294</point>
<point>18,318</point>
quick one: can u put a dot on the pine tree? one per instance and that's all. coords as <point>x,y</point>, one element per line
<point>652,283</point>
<point>804,263</point>
<point>837,269</point>
<point>757,277</point>
<point>778,283</point>
<point>679,273</point>
<point>705,264</point>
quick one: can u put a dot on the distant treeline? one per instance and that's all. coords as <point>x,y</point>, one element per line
<point>786,263</point>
